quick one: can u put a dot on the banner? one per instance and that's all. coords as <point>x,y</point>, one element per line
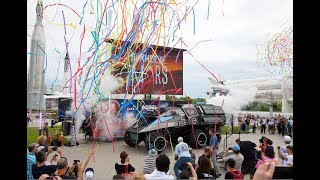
<point>153,70</point>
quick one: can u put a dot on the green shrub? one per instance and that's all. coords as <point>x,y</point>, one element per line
<point>33,134</point>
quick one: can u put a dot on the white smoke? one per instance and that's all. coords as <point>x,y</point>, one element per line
<point>238,96</point>
<point>107,84</point>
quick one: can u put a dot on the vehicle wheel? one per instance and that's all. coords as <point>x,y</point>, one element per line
<point>129,141</point>
<point>157,141</point>
<point>201,139</point>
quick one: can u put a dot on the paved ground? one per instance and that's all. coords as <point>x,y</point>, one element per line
<point>105,158</point>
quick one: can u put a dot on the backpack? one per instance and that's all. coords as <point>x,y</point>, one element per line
<point>236,174</point>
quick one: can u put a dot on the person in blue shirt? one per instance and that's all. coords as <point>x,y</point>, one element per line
<point>214,149</point>
<point>31,159</point>
<point>182,155</point>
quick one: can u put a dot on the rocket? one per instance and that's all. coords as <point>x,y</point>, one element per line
<point>66,74</point>
<point>36,87</point>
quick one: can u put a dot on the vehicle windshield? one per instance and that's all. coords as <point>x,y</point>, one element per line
<point>147,116</point>
<point>212,110</point>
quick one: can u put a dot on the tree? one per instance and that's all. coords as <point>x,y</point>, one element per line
<point>261,106</point>
<point>186,98</point>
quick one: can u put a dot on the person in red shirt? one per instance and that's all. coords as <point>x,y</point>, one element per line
<point>263,144</point>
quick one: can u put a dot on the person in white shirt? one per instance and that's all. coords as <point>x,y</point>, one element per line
<point>263,125</point>
<point>236,156</point>
<point>162,169</point>
<point>287,141</point>
<point>287,158</point>
<point>182,155</point>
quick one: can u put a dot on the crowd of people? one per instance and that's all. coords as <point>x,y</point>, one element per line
<point>242,158</point>
<point>280,124</point>
<point>58,167</point>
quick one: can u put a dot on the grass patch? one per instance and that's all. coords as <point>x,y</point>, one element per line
<point>236,129</point>
<point>33,134</point>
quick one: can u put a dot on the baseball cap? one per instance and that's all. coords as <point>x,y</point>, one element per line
<point>153,152</point>
<point>287,139</point>
<point>235,148</point>
<point>89,173</point>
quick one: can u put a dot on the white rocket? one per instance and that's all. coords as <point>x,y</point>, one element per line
<point>66,74</point>
<point>36,86</point>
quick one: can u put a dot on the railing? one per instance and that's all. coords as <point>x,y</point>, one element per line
<point>225,141</point>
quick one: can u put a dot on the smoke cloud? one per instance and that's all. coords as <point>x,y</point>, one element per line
<point>108,83</point>
<point>238,96</point>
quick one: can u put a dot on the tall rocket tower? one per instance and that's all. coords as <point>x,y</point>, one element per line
<point>36,86</point>
<point>66,74</point>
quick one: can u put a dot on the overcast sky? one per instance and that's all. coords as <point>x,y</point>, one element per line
<point>230,37</point>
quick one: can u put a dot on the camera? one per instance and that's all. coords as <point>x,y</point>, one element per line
<point>268,140</point>
<point>75,169</point>
<point>56,142</point>
<point>54,148</point>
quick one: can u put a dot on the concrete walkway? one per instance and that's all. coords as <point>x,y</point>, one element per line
<point>107,154</point>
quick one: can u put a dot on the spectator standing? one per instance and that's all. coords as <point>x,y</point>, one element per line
<point>254,125</point>
<point>279,125</point>
<point>232,172</point>
<point>75,171</point>
<point>28,118</point>
<point>289,126</point>
<point>46,132</point>
<point>40,168</point>
<point>125,165</point>
<point>247,123</point>
<point>287,140</point>
<point>263,126</point>
<point>64,171</point>
<point>186,175</point>
<point>287,158</point>
<point>162,168</point>
<point>204,169</point>
<point>269,156</point>
<point>236,156</point>
<point>150,162</point>
<point>214,151</point>
<point>283,126</point>
<point>207,153</point>
<point>264,144</point>
<point>247,149</point>
<point>182,156</point>
<point>31,159</point>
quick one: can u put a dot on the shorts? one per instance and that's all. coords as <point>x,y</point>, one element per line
<point>248,167</point>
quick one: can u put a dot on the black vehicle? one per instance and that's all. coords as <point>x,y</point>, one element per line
<point>157,129</point>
